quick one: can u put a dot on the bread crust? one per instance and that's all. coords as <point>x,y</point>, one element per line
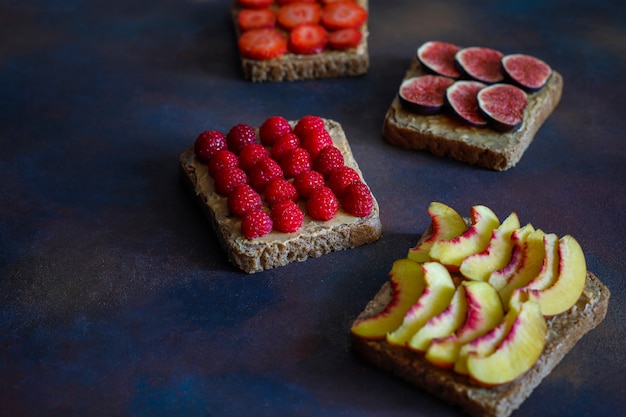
<point>444,135</point>
<point>564,331</point>
<point>315,239</point>
<point>292,67</point>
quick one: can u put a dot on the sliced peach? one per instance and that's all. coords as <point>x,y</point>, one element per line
<point>407,280</point>
<point>550,266</point>
<point>569,284</point>
<point>446,224</point>
<point>443,324</point>
<point>435,298</point>
<point>495,256</point>
<point>474,240</point>
<point>517,353</point>
<point>484,313</point>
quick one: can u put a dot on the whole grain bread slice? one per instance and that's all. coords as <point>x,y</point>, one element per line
<point>291,67</point>
<point>443,135</point>
<point>314,239</point>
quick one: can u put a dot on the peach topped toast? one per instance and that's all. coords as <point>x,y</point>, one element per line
<point>512,308</point>
<point>282,192</point>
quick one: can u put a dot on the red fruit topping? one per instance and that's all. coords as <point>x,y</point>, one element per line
<point>322,204</point>
<point>462,97</point>
<point>222,159</point>
<point>439,58</point>
<point>481,64</point>
<point>251,154</point>
<point>255,224</point>
<point>243,199</point>
<point>424,94</point>
<point>287,216</point>
<point>228,178</point>
<point>307,39</point>
<point>285,143</point>
<point>239,137</point>
<point>283,2</point>
<point>340,178</point>
<point>357,199</point>
<point>344,14</point>
<point>503,105</point>
<point>280,189</point>
<point>344,38</point>
<point>255,4</point>
<point>307,123</point>
<point>329,159</point>
<point>295,161</point>
<point>298,13</point>
<point>526,71</point>
<point>263,172</point>
<point>315,140</point>
<point>307,182</point>
<point>262,44</point>
<point>208,143</point>
<point>272,129</point>
<point>249,19</point>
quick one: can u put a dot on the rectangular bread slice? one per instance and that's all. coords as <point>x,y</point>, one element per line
<point>564,330</point>
<point>443,135</point>
<point>292,67</point>
<point>314,239</point>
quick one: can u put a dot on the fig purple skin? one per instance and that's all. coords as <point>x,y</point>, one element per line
<point>424,94</point>
<point>481,64</point>
<point>526,71</point>
<point>462,98</point>
<point>438,57</point>
<point>503,105</point>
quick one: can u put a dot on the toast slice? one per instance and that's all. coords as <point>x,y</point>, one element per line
<point>292,67</point>
<point>314,239</point>
<point>443,135</point>
<point>564,331</point>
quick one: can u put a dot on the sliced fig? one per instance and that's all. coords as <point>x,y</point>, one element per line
<point>481,64</point>
<point>424,94</point>
<point>462,98</point>
<point>526,71</point>
<point>438,57</point>
<point>503,105</point>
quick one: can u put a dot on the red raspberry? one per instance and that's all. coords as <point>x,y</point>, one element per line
<point>243,199</point>
<point>329,159</point>
<point>256,223</point>
<point>239,136</point>
<point>228,178</point>
<point>322,204</point>
<point>221,159</point>
<point>295,161</point>
<point>340,178</point>
<point>357,199</point>
<point>307,182</point>
<point>307,123</point>
<point>263,172</point>
<point>252,154</point>
<point>208,143</point>
<point>287,216</point>
<point>315,140</point>
<point>272,129</point>
<point>285,143</point>
<point>280,189</point>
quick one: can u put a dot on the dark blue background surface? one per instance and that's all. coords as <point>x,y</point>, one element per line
<point>115,298</point>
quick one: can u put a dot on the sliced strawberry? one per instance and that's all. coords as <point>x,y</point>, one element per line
<point>283,2</point>
<point>256,19</point>
<point>308,39</point>
<point>343,14</point>
<point>294,14</point>
<point>334,1</point>
<point>262,43</point>
<point>344,38</point>
<point>255,4</point>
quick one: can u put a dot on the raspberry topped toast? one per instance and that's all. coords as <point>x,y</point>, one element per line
<point>286,40</point>
<point>282,192</point>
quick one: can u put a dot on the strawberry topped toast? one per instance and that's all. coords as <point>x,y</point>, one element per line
<point>282,192</point>
<point>285,40</point>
